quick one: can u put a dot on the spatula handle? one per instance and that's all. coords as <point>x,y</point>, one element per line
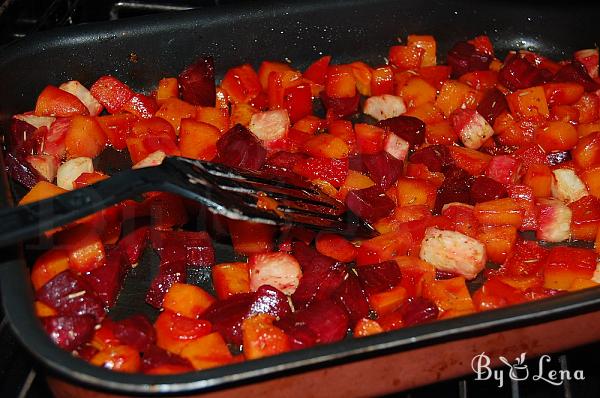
<point>27,221</point>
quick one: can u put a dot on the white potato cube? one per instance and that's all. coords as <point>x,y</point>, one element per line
<point>270,125</point>
<point>554,219</point>
<point>70,170</point>
<point>567,186</point>
<point>453,252</point>
<point>384,106</point>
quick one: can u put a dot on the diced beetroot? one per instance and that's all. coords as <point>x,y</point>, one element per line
<point>370,204</point>
<point>69,332</point>
<point>300,335</point>
<point>575,72</point>
<point>555,158</point>
<point>238,147</point>
<point>199,248</point>
<point>269,300</point>
<point>86,352</point>
<point>169,246</point>
<point>133,244</point>
<point>455,188</point>
<point>376,278</point>
<point>463,57</point>
<point>136,331</point>
<point>383,168</point>
<point>192,248</point>
<point>435,157</point>
<point>71,295</point>
<point>338,108</point>
<point>408,128</point>
<point>21,171</point>
<point>356,163</point>
<point>492,105</point>
<point>351,297</point>
<point>154,357</point>
<point>107,279</point>
<point>418,310</point>
<point>518,73</point>
<point>24,138</point>
<point>441,275</point>
<point>321,275</point>
<point>159,287</point>
<point>485,189</point>
<point>197,82</point>
<point>325,319</point>
<point>226,316</point>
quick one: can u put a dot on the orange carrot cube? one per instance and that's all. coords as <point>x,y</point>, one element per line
<point>207,352</point>
<point>198,140</point>
<point>539,178</point>
<point>387,302</point>
<point>499,212</point>
<point>168,87</point>
<point>499,241</point>
<point>40,191</point>
<point>120,358</point>
<point>366,327</point>
<point>230,279</point>
<point>251,238</point>
<point>84,137</point>
<point>188,300</point>
<point>174,332</point>
<point>528,102</point>
<point>261,338</point>
<point>411,192</point>
<point>48,265</point>
<point>449,294</point>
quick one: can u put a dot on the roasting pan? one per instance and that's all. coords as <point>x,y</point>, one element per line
<point>141,50</point>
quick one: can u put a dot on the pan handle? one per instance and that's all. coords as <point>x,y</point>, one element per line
<point>27,221</point>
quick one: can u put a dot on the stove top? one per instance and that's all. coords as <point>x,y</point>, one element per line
<point>21,377</point>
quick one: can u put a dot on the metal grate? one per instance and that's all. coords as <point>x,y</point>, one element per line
<point>19,376</point>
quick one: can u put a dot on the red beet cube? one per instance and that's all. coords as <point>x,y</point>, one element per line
<point>136,331</point>
<point>192,248</point>
<point>418,310</point>
<point>576,72</point>
<point>370,204</point>
<point>408,128</point>
<point>436,157</point>
<point>464,57</point>
<point>376,278</point>
<point>238,147</point>
<point>106,280</point>
<point>351,297</point>
<point>20,170</point>
<point>455,188</point>
<point>226,316</point>
<point>485,189</point>
<point>338,108</point>
<point>133,244</point>
<point>321,275</point>
<point>492,105</point>
<point>69,332</point>
<point>383,168</point>
<point>518,73</point>
<point>71,295</point>
<point>170,272</point>
<point>154,357</point>
<point>197,82</point>
<point>325,320</point>
<point>269,300</point>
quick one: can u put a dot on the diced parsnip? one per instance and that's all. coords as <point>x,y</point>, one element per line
<point>554,220</point>
<point>396,146</point>
<point>471,127</point>
<point>384,106</point>
<point>46,165</point>
<point>567,186</point>
<point>270,125</point>
<point>70,170</point>
<point>452,251</point>
<point>154,159</point>
<point>279,269</point>
<point>84,95</point>
<point>36,121</point>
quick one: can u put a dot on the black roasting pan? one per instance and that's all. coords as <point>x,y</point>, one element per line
<point>143,49</point>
